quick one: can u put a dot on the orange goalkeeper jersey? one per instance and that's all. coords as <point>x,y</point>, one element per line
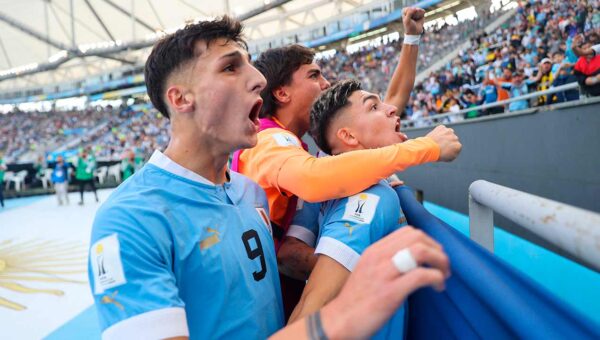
<point>280,165</point>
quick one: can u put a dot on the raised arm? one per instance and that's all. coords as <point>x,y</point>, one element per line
<point>403,79</point>
<point>321,179</point>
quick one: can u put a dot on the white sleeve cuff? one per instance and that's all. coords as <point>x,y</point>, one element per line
<point>157,324</point>
<point>338,251</point>
<point>301,233</point>
<point>596,49</point>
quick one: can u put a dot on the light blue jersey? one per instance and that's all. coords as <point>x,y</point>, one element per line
<point>173,255</point>
<point>305,224</point>
<point>349,225</point>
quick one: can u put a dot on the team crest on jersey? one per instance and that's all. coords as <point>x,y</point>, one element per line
<point>105,258</point>
<point>361,208</point>
<point>285,139</point>
<point>265,218</point>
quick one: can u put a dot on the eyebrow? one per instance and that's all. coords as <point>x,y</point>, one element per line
<point>234,55</point>
<point>314,71</point>
<point>371,96</point>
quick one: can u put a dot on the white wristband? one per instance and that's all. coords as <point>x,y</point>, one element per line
<point>412,39</point>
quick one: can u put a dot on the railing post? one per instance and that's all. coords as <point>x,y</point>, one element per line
<point>481,224</point>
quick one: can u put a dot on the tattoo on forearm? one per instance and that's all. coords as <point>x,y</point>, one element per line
<point>314,327</point>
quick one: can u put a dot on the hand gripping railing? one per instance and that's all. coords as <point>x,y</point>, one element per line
<point>573,230</point>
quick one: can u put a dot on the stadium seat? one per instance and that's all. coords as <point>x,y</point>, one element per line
<point>46,177</point>
<point>7,177</point>
<point>18,179</point>
<point>101,173</point>
<point>115,171</point>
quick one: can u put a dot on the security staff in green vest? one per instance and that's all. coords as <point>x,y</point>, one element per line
<point>84,173</point>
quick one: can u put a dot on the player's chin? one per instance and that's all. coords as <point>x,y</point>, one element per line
<point>248,142</point>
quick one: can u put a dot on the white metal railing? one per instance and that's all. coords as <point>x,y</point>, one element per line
<point>575,231</point>
<point>458,115</point>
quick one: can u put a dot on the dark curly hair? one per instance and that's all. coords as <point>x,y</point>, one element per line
<point>326,108</point>
<point>278,65</point>
<point>177,49</point>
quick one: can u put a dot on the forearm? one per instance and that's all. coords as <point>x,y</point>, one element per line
<point>312,301</point>
<point>296,259</point>
<point>335,321</point>
<point>320,179</point>
<point>403,79</point>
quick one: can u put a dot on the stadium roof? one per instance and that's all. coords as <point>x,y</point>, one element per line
<point>42,32</point>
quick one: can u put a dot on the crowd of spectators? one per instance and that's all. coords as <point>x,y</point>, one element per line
<point>533,51</point>
<point>111,133</point>
<point>373,65</point>
<point>23,134</point>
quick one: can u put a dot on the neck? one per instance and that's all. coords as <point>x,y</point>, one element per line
<point>199,157</point>
<point>289,119</point>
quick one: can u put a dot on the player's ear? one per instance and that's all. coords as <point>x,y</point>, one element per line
<point>346,137</point>
<point>179,99</point>
<point>282,94</point>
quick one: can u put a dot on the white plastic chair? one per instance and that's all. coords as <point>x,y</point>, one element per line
<point>19,179</point>
<point>46,177</point>
<point>115,170</point>
<point>7,177</point>
<point>101,173</point>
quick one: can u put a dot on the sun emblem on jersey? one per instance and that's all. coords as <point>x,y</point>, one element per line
<point>107,299</point>
<point>41,261</point>
<point>210,240</point>
<point>350,227</point>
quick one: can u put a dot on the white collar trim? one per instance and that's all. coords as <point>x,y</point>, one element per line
<point>160,160</point>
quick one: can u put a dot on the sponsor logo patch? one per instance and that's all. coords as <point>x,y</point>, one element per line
<point>361,208</point>
<point>105,258</point>
<point>286,139</point>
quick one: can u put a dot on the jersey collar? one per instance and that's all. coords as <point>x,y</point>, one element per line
<point>160,160</point>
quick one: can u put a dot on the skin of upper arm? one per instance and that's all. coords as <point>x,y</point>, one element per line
<point>325,282</point>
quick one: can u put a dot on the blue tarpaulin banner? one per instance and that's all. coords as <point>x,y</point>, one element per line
<point>485,297</point>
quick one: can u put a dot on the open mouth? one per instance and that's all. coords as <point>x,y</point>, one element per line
<point>397,128</point>
<point>254,112</point>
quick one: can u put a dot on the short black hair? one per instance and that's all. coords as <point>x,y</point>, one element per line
<point>176,49</point>
<point>326,108</point>
<point>278,65</point>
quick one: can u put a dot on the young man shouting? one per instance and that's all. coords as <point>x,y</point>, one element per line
<point>346,118</point>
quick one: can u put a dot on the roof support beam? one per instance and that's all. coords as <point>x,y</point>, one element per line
<point>162,26</point>
<point>262,9</point>
<point>87,2</point>
<point>72,12</point>
<point>31,32</point>
<point>5,53</point>
<point>126,12</point>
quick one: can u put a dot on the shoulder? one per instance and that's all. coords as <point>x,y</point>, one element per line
<point>365,206</point>
<point>135,205</point>
<point>278,137</point>
<point>248,190</point>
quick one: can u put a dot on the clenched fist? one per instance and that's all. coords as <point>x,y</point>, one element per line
<point>448,141</point>
<point>413,19</point>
